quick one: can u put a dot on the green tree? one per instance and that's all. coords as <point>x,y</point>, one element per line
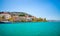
<point>39,19</point>
<point>3,17</point>
<point>22,15</point>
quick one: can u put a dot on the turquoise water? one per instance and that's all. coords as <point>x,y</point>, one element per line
<point>30,29</point>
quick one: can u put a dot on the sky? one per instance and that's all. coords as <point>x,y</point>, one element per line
<point>49,9</point>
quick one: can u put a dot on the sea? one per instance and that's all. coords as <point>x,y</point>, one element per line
<point>30,29</point>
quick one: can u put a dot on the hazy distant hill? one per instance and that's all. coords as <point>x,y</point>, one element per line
<point>53,20</point>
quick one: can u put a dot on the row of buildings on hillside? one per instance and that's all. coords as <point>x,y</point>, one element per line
<point>18,17</point>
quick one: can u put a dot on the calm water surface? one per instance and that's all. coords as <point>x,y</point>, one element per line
<point>30,29</point>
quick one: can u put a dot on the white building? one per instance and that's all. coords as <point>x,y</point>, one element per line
<point>6,15</point>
